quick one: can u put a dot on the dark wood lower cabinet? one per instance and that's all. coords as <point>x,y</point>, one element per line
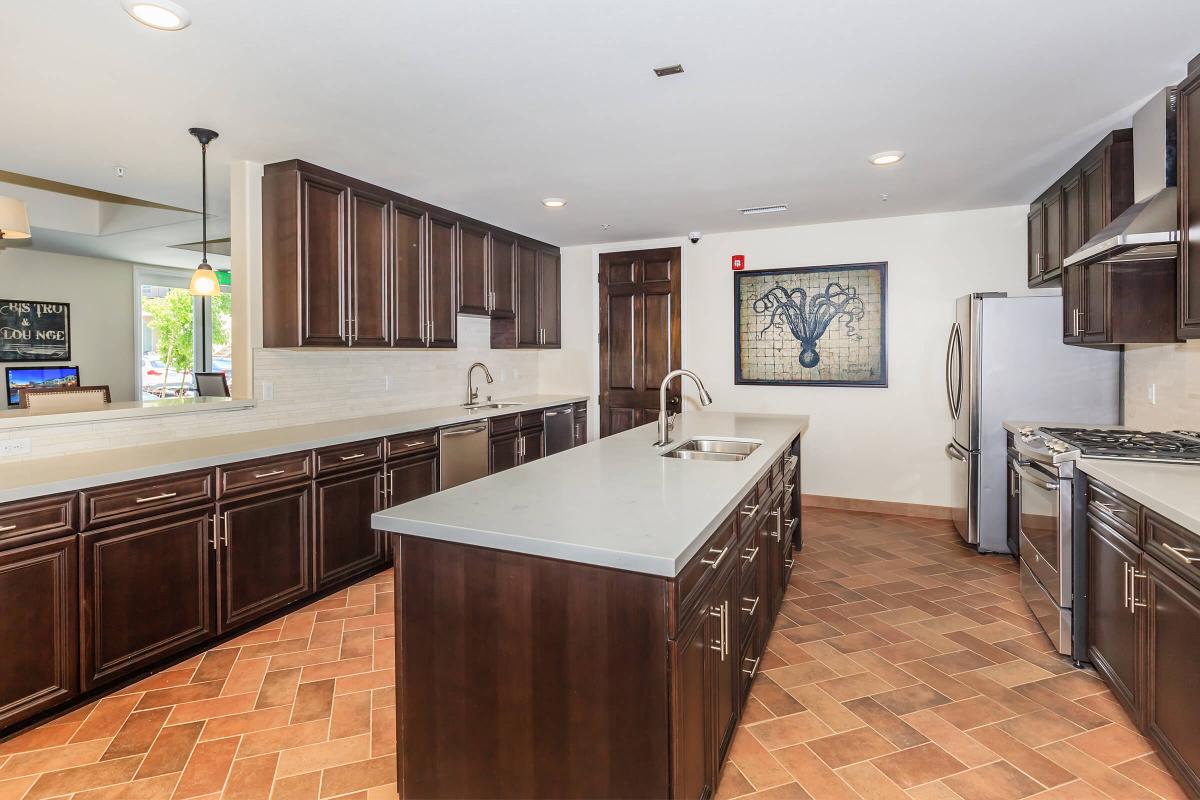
<point>693,768</point>
<point>533,445</point>
<point>1112,623</point>
<point>147,592</point>
<point>39,639</point>
<point>345,541</point>
<point>504,451</point>
<point>263,555</point>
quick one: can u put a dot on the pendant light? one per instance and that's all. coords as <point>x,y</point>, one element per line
<point>14,219</point>
<point>204,281</point>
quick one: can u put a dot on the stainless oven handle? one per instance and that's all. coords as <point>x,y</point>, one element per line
<point>953,452</point>
<point>1037,480</point>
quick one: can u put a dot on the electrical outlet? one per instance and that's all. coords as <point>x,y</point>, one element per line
<point>1152,394</point>
<point>268,390</point>
<point>15,447</point>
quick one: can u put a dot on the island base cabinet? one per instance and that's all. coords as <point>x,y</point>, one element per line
<point>264,547</point>
<point>162,564</point>
<point>693,766</point>
<point>345,542</point>
<point>39,667</point>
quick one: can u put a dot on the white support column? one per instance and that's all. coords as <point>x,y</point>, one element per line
<point>245,233</point>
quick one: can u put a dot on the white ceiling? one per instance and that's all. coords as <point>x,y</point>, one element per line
<point>486,107</point>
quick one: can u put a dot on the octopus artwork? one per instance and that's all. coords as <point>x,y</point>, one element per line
<point>809,318</point>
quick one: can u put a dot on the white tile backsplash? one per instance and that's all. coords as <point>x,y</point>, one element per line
<point>313,385</point>
<point>1174,371</point>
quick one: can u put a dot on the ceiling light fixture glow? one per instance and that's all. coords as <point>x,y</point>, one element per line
<point>554,202</point>
<point>162,15</point>
<point>764,209</point>
<point>886,157</point>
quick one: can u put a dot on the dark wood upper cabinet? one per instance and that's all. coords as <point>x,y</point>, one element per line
<point>263,554</point>
<point>1075,303</point>
<point>1188,291</point>
<point>39,633</point>
<point>1072,214</point>
<point>1119,303</point>
<point>502,275</point>
<point>370,268</point>
<point>1052,216</point>
<point>345,542</point>
<point>1037,243</point>
<point>550,298</point>
<point>409,278</point>
<point>163,564</point>
<point>474,293</point>
<point>528,330</point>
<point>443,269</point>
<point>538,301</point>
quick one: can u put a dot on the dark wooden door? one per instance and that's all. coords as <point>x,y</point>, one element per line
<point>162,564</point>
<point>693,759</point>
<point>263,554</point>
<point>409,311</point>
<point>345,542</point>
<point>324,276</point>
<point>1074,303</point>
<point>723,622</point>
<point>504,452</point>
<point>1189,198</point>
<point>533,445</point>
<point>1112,623</point>
<point>639,335</point>
<point>443,268</point>
<point>549,298</point>
<point>528,330</point>
<point>1052,219</point>
<point>1037,244</point>
<point>39,635</point>
<point>1172,652</point>
<point>473,291</point>
<point>370,264</point>
<point>1094,286</point>
<point>502,275</point>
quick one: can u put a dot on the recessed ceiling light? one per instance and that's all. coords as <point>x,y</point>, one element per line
<point>162,15</point>
<point>670,69</point>
<point>764,209</point>
<point>554,202</point>
<point>886,157</point>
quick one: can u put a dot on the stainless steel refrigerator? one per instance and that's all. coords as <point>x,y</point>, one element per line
<point>1005,360</point>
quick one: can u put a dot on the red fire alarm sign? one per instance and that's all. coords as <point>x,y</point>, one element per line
<point>739,263</point>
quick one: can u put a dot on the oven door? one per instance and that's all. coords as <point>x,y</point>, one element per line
<point>1045,522</point>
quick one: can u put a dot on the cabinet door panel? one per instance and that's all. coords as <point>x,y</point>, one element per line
<point>370,264</point>
<point>503,452</point>
<point>1052,219</point>
<point>1074,304</point>
<point>443,269</point>
<point>1095,198</point>
<point>264,554</point>
<point>548,298</point>
<point>527,296</point>
<point>692,756</point>
<point>1173,650</point>
<point>408,277</point>
<point>412,478</point>
<point>40,665</point>
<point>1095,283</point>
<point>323,261</point>
<point>1037,245</point>
<point>580,430</point>
<point>1112,627</point>
<point>1072,212</point>
<point>162,564</point>
<point>726,661</point>
<point>472,270</point>
<point>1189,187</point>
<point>533,444</point>
<point>346,543</point>
<point>502,269</point>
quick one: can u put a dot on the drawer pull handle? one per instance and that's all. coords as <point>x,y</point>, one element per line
<point>413,444</point>
<point>753,667</point>
<point>4,528</point>
<point>1114,511</point>
<point>715,561</point>
<point>789,563</point>
<point>750,554</point>
<point>753,606</point>
<point>1181,553</point>
<point>749,511</point>
<point>788,487</point>
<point>270,474</point>
<point>354,457</point>
<point>163,496</point>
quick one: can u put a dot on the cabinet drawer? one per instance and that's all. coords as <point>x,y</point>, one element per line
<point>716,553</point>
<point>143,498</point>
<point>1173,545</point>
<point>248,476</point>
<point>348,456</point>
<point>752,608</point>
<point>28,521</point>
<point>580,408</point>
<point>1114,508</point>
<point>764,486</point>
<point>531,419</point>
<point>749,660</point>
<point>411,443</point>
<point>505,424</point>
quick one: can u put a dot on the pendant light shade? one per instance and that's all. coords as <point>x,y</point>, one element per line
<point>14,219</point>
<point>204,281</point>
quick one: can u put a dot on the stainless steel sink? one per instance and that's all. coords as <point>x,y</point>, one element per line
<point>473,407</point>
<point>704,449</point>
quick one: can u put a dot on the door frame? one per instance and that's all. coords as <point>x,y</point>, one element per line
<point>684,245</point>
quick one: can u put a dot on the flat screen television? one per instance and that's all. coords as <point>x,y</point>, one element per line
<point>17,378</point>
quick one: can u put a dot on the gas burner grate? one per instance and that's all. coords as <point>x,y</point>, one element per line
<point>1177,446</point>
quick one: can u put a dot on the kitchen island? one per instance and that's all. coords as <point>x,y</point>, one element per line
<point>588,625</point>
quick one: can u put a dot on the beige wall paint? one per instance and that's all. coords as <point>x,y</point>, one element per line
<point>101,296</point>
<point>878,444</point>
<point>1174,371</point>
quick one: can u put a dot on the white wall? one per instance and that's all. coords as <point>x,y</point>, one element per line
<point>878,444</point>
<point>100,292</point>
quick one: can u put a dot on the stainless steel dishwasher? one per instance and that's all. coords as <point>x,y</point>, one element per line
<point>560,429</point>
<point>462,454</point>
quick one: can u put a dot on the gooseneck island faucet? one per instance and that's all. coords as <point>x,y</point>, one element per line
<point>665,422</point>
<point>472,393</point>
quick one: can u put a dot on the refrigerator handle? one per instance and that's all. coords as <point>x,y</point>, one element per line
<point>955,453</point>
<point>953,392</point>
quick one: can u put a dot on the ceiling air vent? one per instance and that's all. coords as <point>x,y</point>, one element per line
<point>764,209</point>
<point>673,69</point>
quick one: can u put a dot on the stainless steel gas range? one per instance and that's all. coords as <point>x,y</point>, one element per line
<point>1053,541</point>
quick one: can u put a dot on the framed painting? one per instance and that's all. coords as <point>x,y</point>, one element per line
<point>811,326</point>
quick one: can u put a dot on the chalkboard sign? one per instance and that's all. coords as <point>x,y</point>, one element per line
<point>31,330</point>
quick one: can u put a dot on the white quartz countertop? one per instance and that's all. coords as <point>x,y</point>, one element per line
<point>21,418</point>
<point>23,479</point>
<point>613,503</point>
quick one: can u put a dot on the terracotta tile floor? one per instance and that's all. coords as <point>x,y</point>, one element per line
<point>905,666</point>
<point>902,665</point>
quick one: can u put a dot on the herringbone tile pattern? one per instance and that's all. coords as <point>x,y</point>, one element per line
<point>302,708</point>
<point>904,665</point>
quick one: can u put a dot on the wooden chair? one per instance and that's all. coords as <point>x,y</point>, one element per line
<point>65,398</point>
<point>211,384</point>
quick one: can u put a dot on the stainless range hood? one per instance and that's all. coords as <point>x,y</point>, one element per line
<point>1149,229</point>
